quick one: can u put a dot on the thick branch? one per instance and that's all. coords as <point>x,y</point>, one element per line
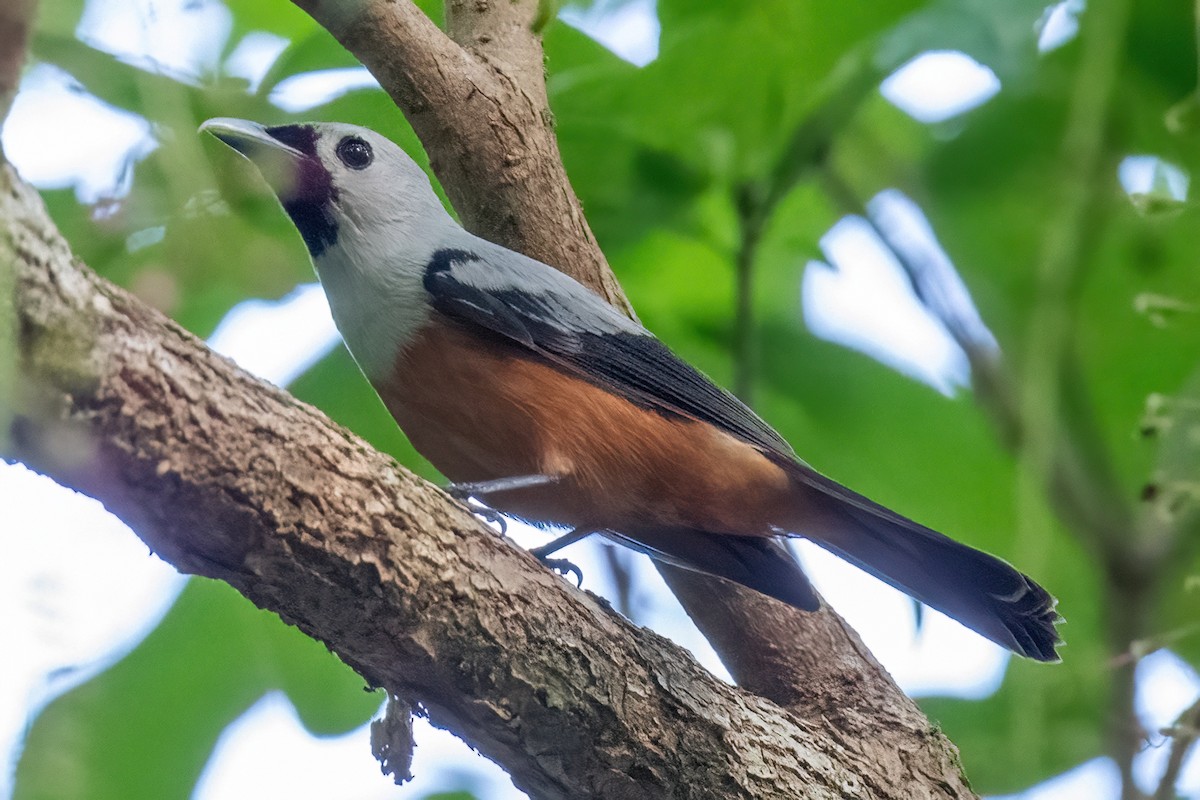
<point>815,665</point>
<point>403,586</point>
<point>230,478</point>
<point>478,103</point>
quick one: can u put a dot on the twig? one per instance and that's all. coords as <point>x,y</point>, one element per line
<point>752,216</point>
<point>1082,488</point>
<point>1184,734</point>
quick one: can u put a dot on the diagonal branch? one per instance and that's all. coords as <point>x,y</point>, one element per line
<point>1184,733</point>
<point>476,98</point>
<point>231,479</point>
<point>228,477</point>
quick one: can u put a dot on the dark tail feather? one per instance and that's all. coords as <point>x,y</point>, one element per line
<point>981,591</point>
<point>761,563</point>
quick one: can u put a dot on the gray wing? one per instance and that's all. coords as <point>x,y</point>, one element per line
<point>554,316</point>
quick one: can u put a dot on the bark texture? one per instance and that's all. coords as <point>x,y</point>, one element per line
<point>231,478</point>
<point>476,97</point>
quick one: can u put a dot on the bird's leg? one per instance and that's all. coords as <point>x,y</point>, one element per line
<point>465,491</point>
<point>462,491</point>
<point>562,565</point>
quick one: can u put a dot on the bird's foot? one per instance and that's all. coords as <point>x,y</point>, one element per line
<point>564,567</point>
<point>487,514</point>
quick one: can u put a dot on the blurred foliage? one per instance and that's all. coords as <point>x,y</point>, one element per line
<point>746,100</point>
<point>212,657</point>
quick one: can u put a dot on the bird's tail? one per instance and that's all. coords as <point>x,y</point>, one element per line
<point>761,563</point>
<point>979,590</point>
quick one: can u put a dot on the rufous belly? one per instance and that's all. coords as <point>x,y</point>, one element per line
<point>481,409</point>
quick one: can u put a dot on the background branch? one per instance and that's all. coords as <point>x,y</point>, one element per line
<point>1183,735</point>
<point>16,24</point>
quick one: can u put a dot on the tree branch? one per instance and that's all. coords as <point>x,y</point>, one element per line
<point>1184,733</point>
<point>228,477</point>
<point>1063,259</point>
<point>480,109</point>
<point>817,667</point>
<point>16,23</point>
<point>401,584</point>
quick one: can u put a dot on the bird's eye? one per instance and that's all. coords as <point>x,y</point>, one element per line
<point>355,153</point>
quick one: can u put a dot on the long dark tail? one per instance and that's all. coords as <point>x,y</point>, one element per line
<point>979,590</point>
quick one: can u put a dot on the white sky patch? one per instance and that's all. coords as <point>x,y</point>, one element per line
<point>1097,779</point>
<point>1146,174</point>
<point>939,85</point>
<point>300,766</point>
<point>311,89</point>
<point>183,37</point>
<point>278,340</point>
<point>1059,25</point>
<point>1166,685</point>
<point>254,55</point>
<point>863,299</point>
<point>43,139</point>
<point>629,29</point>
<point>78,591</point>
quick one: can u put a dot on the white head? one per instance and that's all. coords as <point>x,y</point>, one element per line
<point>368,215</point>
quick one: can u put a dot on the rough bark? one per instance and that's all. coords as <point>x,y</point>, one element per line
<point>228,477</point>
<point>476,97</point>
<point>232,479</point>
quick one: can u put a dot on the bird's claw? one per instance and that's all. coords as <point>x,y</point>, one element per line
<point>489,515</point>
<point>564,567</point>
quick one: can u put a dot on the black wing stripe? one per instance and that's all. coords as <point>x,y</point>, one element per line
<point>643,368</point>
<point>636,366</point>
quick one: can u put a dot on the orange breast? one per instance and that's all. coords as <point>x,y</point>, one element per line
<point>481,410</point>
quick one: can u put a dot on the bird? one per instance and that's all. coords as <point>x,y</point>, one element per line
<point>531,393</point>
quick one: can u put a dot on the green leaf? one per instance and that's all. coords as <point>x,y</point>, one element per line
<point>146,726</point>
<point>284,19</point>
<point>311,53</point>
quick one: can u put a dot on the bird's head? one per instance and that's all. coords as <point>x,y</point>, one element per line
<point>334,179</point>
